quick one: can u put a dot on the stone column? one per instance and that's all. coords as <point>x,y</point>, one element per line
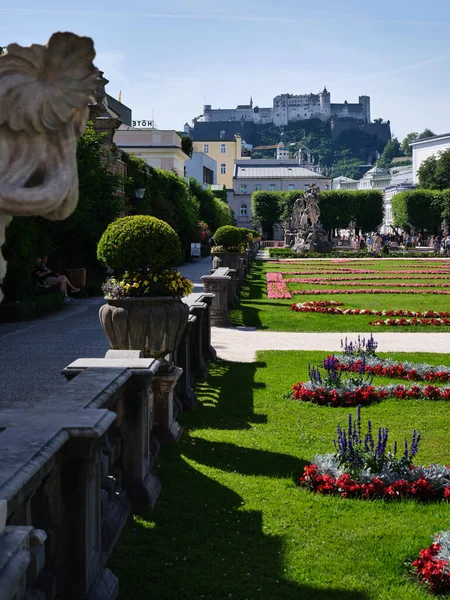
<point>208,351</point>
<point>183,359</point>
<point>218,285</point>
<point>165,426</point>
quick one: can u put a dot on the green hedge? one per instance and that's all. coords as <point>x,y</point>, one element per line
<point>421,209</point>
<point>31,307</point>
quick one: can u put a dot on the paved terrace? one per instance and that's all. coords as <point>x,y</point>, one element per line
<point>32,354</point>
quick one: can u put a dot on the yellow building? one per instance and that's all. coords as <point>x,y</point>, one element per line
<point>222,141</point>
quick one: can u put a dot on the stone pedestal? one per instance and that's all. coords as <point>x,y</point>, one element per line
<point>218,284</point>
<point>165,426</point>
<point>233,288</point>
<point>183,358</point>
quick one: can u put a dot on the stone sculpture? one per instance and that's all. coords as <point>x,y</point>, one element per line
<point>44,93</point>
<point>305,232</point>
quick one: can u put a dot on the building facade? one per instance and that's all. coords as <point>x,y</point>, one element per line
<point>423,149</point>
<point>400,182</point>
<point>160,149</point>
<point>203,168</point>
<point>288,108</point>
<point>270,175</point>
<point>222,142</point>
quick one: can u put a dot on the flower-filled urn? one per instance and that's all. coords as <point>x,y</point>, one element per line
<point>144,310</point>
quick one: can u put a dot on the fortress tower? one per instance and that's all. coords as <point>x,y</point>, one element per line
<point>365,102</point>
<point>325,102</point>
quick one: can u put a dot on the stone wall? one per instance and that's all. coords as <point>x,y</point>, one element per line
<point>77,465</point>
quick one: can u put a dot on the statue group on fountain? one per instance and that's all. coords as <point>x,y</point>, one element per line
<point>305,232</point>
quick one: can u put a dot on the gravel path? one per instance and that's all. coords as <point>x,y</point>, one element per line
<point>241,344</point>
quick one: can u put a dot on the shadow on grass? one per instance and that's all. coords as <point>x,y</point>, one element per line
<point>246,461</point>
<point>201,542</point>
<point>254,288</point>
<point>227,398</point>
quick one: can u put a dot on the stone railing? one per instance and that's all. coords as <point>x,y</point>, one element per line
<point>272,244</point>
<point>75,466</point>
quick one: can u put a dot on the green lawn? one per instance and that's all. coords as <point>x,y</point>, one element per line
<point>231,522</point>
<point>256,310</point>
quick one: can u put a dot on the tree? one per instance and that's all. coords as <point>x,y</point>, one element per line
<point>426,133</point>
<point>348,168</point>
<point>212,210</point>
<point>434,172</point>
<point>187,145</point>
<point>391,150</point>
<point>406,144</point>
<point>368,209</point>
<point>266,210</point>
<point>419,209</point>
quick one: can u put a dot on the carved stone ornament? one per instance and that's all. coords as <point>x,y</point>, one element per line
<point>44,93</point>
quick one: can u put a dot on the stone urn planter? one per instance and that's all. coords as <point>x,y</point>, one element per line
<point>232,260</point>
<point>153,325</point>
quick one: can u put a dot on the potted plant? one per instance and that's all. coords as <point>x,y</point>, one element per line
<point>144,310</point>
<point>229,247</point>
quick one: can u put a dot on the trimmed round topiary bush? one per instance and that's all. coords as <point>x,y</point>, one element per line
<point>139,241</point>
<point>228,237</point>
<point>245,234</point>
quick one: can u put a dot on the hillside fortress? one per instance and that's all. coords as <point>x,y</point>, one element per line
<point>288,108</point>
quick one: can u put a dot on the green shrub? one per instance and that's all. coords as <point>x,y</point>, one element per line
<point>385,250</point>
<point>139,241</point>
<point>228,237</point>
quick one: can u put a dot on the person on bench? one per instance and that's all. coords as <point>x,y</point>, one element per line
<point>49,278</point>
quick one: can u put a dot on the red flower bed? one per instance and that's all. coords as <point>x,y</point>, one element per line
<point>415,322</point>
<point>362,395</point>
<point>346,487</point>
<point>365,395</point>
<point>392,371</point>
<point>331,308</point>
<point>372,291</point>
<point>432,570</point>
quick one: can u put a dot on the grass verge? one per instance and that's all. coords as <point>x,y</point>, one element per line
<point>231,522</point>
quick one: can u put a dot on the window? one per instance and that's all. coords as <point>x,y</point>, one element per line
<point>243,210</point>
<point>223,148</point>
<point>272,187</point>
<point>206,148</point>
<point>243,188</point>
<point>291,187</point>
<point>257,187</point>
<point>223,168</point>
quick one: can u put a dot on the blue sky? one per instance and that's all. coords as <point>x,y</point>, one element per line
<point>168,58</point>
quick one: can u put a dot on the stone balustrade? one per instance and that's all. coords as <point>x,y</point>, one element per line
<point>74,467</point>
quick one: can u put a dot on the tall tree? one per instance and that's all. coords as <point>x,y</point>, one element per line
<point>266,210</point>
<point>434,172</point>
<point>426,133</point>
<point>406,144</point>
<point>391,150</point>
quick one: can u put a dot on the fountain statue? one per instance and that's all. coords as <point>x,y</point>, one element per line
<point>305,232</point>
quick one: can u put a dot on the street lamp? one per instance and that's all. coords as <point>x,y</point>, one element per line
<point>139,192</point>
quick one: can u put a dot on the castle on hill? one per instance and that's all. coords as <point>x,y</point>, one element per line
<point>288,108</point>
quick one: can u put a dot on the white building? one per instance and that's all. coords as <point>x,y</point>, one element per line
<point>423,149</point>
<point>400,182</point>
<point>160,149</point>
<point>376,178</point>
<point>270,175</point>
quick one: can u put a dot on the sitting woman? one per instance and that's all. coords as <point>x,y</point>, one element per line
<point>49,278</point>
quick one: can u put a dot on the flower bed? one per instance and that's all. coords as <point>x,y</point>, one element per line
<point>276,286</point>
<point>411,322</point>
<point>332,308</point>
<point>352,395</point>
<point>432,567</point>
<point>371,291</point>
<point>366,283</point>
<point>386,367</point>
<point>363,468</point>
